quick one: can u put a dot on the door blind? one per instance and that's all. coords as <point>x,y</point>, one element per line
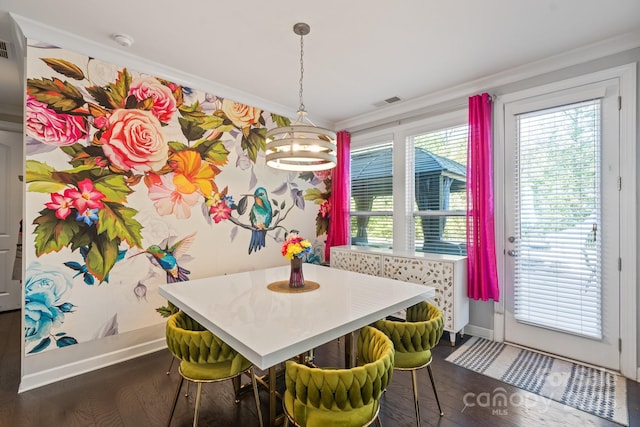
<point>558,219</point>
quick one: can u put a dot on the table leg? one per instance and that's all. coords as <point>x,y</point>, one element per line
<point>273,398</point>
<point>348,350</point>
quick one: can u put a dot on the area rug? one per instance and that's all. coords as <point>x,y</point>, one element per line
<point>591,390</point>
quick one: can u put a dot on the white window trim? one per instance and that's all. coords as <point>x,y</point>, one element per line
<point>628,206</point>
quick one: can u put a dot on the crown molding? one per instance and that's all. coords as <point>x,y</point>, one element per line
<point>566,59</point>
<point>116,55</point>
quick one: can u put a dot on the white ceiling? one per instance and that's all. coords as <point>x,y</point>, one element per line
<point>357,54</point>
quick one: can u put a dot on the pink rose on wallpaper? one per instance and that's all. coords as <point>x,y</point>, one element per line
<point>241,115</point>
<point>323,174</point>
<point>134,140</point>
<point>167,200</point>
<point>164,104</point>
<point>49,127</point>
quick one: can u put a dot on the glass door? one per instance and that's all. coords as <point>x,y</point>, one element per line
<point>562,200</point>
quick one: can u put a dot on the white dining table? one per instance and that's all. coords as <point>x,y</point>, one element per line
<point>269,327</point>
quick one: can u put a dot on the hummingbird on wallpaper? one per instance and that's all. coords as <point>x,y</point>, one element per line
<point>260,217</point>
<point>167,258</point>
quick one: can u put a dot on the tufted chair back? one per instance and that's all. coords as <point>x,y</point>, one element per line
<point>341,397</point>
<point>414,339</point>
<point>203,355</point>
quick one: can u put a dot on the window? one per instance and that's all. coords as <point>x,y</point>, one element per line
<point>372,196</point>
<point>439,196</point>
<point>416,201</point>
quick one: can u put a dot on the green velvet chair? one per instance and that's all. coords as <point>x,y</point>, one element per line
<point>205,358</point>
<point>413,341</point>
<point>317,397</point>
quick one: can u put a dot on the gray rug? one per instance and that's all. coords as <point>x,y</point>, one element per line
<point>591,390</point>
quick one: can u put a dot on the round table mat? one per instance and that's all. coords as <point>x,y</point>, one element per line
<point>282,286</point>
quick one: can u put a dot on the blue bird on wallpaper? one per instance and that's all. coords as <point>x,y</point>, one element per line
<point>260,217</point>
<point>167,258</point>
<point>89,279</point>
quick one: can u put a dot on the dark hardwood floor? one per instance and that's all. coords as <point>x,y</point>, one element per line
<point>138,393</point>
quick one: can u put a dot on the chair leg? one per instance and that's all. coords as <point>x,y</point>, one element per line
<point>415,396</point>
<point>237,385</point>
<point>197,411</point>
<point>171,365</point>
<point>433,383</point>
<point>175,400</point>
<point>256,394</point>
<point>378,422</point>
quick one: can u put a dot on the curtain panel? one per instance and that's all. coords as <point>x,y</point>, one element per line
<point>339,230</point>
<point>481,246</point>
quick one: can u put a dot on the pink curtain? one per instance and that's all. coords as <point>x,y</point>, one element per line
<point>481,245</point>
<point>339,229</point>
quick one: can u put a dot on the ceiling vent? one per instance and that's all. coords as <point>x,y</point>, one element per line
<point>387,101</point>
<point>4,52</point>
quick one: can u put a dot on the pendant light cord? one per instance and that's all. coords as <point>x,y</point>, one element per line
<point>301,107</point>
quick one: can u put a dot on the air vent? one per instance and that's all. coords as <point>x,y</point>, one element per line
<point>387,101</point>
<point>4,53</point>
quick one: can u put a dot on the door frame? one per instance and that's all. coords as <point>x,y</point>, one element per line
<point>626,74</point>
<point>16,128</point>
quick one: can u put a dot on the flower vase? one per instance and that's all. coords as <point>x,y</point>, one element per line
<point>296,279</point>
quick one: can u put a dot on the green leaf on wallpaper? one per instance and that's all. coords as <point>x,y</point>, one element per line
<point>53,234</point>
<point>38,175</point>
<point>62,97</point>
<point>83,237</point>
<point>190,129</point>
<point>65,68</point>
<point>74,175</point>
<point>313,194</point>
<point>73,150</point>
<point>280,120</point>
<point>102,256</point>
<point>186,110</point>
<point>211,122</point>
<point>117,222</point>
<point>114,187</point>
<point>119,90</point>
<point>254,142</point>
<point>322,227</point>
<point>212,151</point>
<point>177,145</point>
<point>101,96</point>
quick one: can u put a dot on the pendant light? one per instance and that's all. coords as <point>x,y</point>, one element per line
<point>301,146</point>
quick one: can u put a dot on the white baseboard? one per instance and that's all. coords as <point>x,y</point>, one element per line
<point>48,376</point>
<point>477,331</point>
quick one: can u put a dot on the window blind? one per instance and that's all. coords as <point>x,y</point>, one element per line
<point>557,265</point>
<point>439,191</point>
<point>372,195</point>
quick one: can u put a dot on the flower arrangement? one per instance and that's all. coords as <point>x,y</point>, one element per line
<point>295,246</point>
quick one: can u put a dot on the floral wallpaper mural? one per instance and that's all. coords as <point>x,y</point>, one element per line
<point>134,181</point>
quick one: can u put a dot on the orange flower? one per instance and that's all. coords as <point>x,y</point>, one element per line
<point>191,173</point>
